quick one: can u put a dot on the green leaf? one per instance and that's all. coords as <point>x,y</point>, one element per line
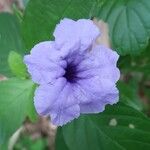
<point>129,95</point>
<point>26,142</point>
<point>16,65</point>
<point>60,143</point>
<point>32,114</point>
<point>10,39</point>
<point>119,127</point>
<point>129,23</point>
<point>15,96</point>
<point>137,64</point>
<point>39,23</point>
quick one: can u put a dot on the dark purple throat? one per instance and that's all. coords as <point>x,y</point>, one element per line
<point>71,73</point>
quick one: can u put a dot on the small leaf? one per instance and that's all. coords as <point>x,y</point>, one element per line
<point>16,65</point>
<point>10,40</point>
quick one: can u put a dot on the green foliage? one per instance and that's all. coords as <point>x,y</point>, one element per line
<point>31,112</point>
<point>15,99</point>
<point>136,64</point>
<point>26,142</point>
<point>10,39</point>
<point>118,128</point>
<point>129,23</point>
<point>39,23</point>
<point>129,95</point>
<point>16,65</point>
<point>59,142</point>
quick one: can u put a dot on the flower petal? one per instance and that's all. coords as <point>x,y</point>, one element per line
<point>84,28</point>
<point>92,107</point>
<point>109,72</point>
<point>99,56</point>
<point>69,30</point>
<point>45,50</point>
<point>65,31</point>
<point>98,104</point>
<point>66,107</point>
<point>100,62</point>
<point>46,95</point>
<point>95,93</point>
<point>104,55</point>
<point>65,115</point>
<point>43,65</point>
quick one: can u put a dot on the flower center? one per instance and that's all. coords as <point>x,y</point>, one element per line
<point>70,73</point>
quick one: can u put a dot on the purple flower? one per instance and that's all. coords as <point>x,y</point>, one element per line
<point>75,75</point>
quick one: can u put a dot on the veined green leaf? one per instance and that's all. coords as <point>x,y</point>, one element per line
<point>15,97</point>
<point>129,23</point>
<point>119,127</point>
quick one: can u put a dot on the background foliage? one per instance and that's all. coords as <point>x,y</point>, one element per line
<point>124,126</point>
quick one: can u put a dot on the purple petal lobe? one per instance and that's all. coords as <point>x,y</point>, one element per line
<point>96,92</point>
<point>76,30</point>
<point>65,108</point>
<point>100,62</point>
<point>84,28</point>
<point>46,95</point>
<point>43,65</point>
